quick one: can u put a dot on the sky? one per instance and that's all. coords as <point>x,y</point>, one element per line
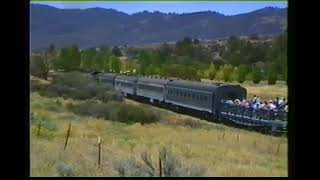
<point>226,8</point>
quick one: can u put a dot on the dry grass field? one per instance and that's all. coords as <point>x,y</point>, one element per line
<point>221,150</point>
<point>265,91</point>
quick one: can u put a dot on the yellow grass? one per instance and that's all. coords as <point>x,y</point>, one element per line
<point>253,154</point>
<point>280,89</point>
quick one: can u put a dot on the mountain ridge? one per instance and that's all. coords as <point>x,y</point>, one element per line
<point>99,26</point>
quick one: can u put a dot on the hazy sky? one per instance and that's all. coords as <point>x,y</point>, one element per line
<point>227,8</point>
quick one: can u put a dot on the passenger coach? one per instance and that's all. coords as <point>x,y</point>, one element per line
<point>108,78</point>
<point>152,88</point>
<point>126,84</point>
<point>201,96</point>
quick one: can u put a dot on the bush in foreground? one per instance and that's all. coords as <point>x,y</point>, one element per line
<point>64,169</point>
<point>171,166</point>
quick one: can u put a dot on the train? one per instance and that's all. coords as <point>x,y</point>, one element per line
<point>206,99</point>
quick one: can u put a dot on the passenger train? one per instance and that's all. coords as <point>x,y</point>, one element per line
<point>207,99</point>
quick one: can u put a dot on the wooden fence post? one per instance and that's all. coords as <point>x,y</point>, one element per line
<point>39,127</point>
<point>68,134</point>
<point>160,167</point>
<point>99,151</point>
<point>278,149</point>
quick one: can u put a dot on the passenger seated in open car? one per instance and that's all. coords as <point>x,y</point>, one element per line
<point>237,102</point>
<point>245,103</point>
<point>229,102</point>
<point>271,105</point>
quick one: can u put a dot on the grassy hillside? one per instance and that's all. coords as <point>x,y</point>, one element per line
<point>223,151</point>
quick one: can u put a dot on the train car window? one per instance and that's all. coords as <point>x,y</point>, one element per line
<point>177,94</point>
<point>205,98</point>
<point>192,96</point>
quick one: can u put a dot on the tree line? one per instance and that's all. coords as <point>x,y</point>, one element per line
<point>240,60</point>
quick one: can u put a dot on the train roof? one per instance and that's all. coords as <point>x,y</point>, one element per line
<point>107,74</point>
<point>198,85</point>
<point>126,77</point>
<point>156,80</point>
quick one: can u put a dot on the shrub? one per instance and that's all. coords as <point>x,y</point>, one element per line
<point>132,114</point>
<point>95,109</point>
<point>37,85</point>
<point>116,112</point>
<point>171,166</point>
<point>45,123</point>
<point>110,96</point>
<point>64,169</point>
<point>79,86</point>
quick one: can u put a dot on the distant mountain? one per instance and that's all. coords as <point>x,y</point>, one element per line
<point>98,26</point>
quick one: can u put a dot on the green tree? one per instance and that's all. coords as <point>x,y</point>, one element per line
<point>272,75</point>
<point>146,59</point>
<point>227,71</point>
<point>243,72</point>
<point>69,59</point>
<point>256,76</point>
<point>181,71</point>
<point>87,59</point>
<point>115,64</point>
<point>235,73</point>
<point>212,71</point>
<point>39,66</point>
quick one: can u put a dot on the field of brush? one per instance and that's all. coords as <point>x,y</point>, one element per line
<point>218,149</point>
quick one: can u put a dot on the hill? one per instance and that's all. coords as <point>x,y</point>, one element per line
<point>98,26</point>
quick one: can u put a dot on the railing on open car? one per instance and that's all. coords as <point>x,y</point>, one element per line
<point>274,118</point>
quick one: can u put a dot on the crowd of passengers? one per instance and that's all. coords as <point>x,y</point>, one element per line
<point>257,103</point>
